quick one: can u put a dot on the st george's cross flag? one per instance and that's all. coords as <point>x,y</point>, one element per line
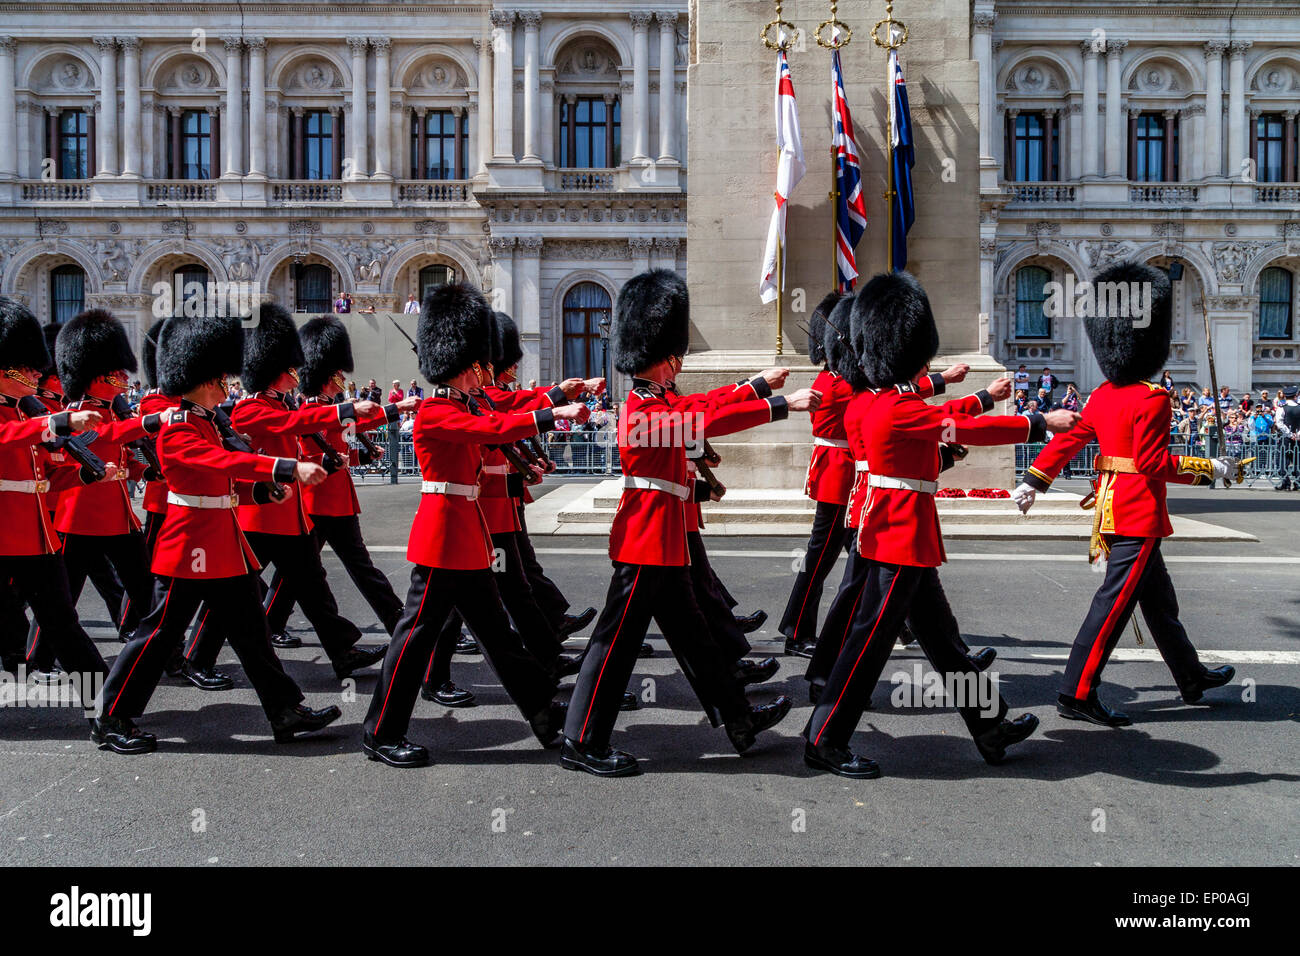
<point>851,206</point>
<point>790,169</point>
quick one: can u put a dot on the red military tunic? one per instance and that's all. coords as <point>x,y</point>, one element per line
<point>155,492</point>
<point>336,496</point>
<point>500,508</point>
<point>1127,421</point>
<point>25,526</point>
<point>206,542</point>
<point>104,508</point>
<point>274,430</point>
<point>896,434</point>
<point>657,504</point>
<point>449,530</point>
<point>831,468</point>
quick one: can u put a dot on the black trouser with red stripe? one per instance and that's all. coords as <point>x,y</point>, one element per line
<point>236,610</point>
<point>829,535</point>
<point>638,593</point>
<point>520,602</point>
<point>434,594</point>
<point>1135,576</point>
<point>42,581</point>
<point>153,521</point>
<point>94,565</point>
<point>549,598</point>
<point>712,598</point>
<point>13,625</point>
<point>297,556</point>
<point>892,595</point>
<point>839,620</point>
<point>343,535</point>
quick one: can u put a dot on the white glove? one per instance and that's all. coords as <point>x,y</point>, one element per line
<point>1024,497</point>
<point>1225,468</point>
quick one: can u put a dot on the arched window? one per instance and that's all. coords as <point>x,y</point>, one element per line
<point>1275,303</point>
<point>67,292</point>
<point>1032,321</point>
<point>431,277</point>
<point>190,290</point>
<point>312,288</point>
<point>587,312</point>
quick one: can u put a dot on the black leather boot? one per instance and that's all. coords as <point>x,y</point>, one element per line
<point>601,763</point>
<point>572,623</point>
<point>760,717</point>
<point>400,753</point>
<point>449,695</point>
<point>840,761</point>
<point>121,735</point>
<point>359,657</point>
<point>993,743</point>
<point>205,678</point>
<point>300,719</point>
<point>1207,681</point>
<point>1092,710</point>
<point>756,672</point>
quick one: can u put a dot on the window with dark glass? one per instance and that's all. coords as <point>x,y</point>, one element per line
<point>586,307</point>
<point>1275,303</point>
<point>431,277</point>
<point>318,143</point>
<point>1036,159</point>
<point>196,145</point>
<point>590,133</point>
<point>438,131</point>
<point>1270,148</point>
<point>1150,142</point>
<point>1032,320</point>
<point>74,145</point>
<point>67,292</point>
<point>312,288</point>
<point>190,291</point>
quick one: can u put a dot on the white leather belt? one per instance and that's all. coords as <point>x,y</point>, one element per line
<point>203,502</point>
<point>657,484</point>
<point>831,442</point>
<point>903,484</point>
<point>449,488</point>
<point>29,487</point>
<point>496,469</point>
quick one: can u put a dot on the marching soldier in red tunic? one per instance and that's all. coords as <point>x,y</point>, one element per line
<point>332,505</point>
<point>201,554</point>
<point>648,544</point>
<point>154,402</point>
<point>280,531</point>
<point>891,427</point>
<point>450,545</point>
<point>30,562</point>
<point>1128,416</point>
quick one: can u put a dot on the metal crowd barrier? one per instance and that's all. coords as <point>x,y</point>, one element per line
<point>1276,457</point>
<point>593,453</point>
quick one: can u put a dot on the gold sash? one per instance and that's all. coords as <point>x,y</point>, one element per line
<point>1102,501</point>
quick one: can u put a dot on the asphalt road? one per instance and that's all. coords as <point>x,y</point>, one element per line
<point>1184,785</point>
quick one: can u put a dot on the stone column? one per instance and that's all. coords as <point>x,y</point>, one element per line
<point>503,273</point>
<point>298,162</point>
<point>271,154</point>
<point>421,144</point>
<point>503,87</point>
<point>383,109</point>
<point>131,132</point>
<point>360,110</point>
<point>256,107</point>
<point>667,76</point>
<point>532,21</point>
<point>1213,142</point>
<point>982,53</point>
<point>1288,148</point>
<point>214,150</point>
<point>1192,133</point>
<point>107,124</point>
<point>1072,145</point>
<point>458,144</point>
<point>640,247</point>
<point>1237,106</point>
<point>1168,175</point>
<point>1114,109</point>
<point>233,135</point>
<point>528,304</point>
<point>1049,133</point>
<point>640,87</point>
<point>471,140</point>
<point>1091,145</point>
<point>548,122</point>
<point>8,123</point>
<point>484,47</point>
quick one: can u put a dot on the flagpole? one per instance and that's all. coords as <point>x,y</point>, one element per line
<point>780,291</point>
<point>891,42</point>
<point>781,44</point>
<point>841,36</point>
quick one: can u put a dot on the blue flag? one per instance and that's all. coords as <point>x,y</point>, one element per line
<point>903,207</point>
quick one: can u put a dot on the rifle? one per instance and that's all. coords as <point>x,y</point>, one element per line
<point>514,453</point>
<point>331,460</point>
<point>236,442</point>
<point>144,445</point>
<point>75,446</point>
<point>414,348</point>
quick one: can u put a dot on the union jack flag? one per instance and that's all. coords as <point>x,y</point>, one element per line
<point>851,206</point>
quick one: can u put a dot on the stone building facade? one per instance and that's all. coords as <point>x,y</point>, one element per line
<point>536,151</point>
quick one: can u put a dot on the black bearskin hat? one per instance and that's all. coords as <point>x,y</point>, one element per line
<point>271,347</point>
<point>455,331</point>
<point>22,344</point>
<point>652,320</point>
<point>838,347</point>
<point>326,349</point>
<point>509,350</point>
<point>893,329</point>
<point>817,328</point>
<point>149,353</point>
<point>192,351</point>
<point>1133,344</point>
<point>91,344</point>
